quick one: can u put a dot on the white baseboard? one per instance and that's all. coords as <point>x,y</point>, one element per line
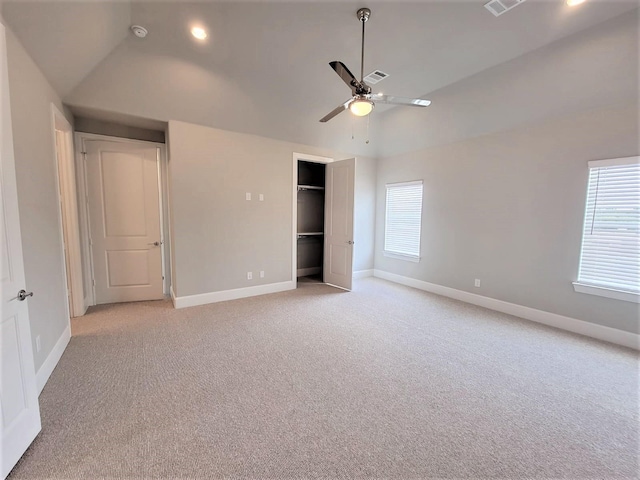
<point>214,297</point>
<point>305,272</point>
<point>608,334</point>
<point>362,274</point>
<point>46,369</point>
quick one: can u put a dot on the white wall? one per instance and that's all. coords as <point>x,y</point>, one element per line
<point>508,208</point>
<point>218,236</point>
<point>31,98</point>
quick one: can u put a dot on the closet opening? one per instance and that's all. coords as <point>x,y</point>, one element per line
<point>310,221</point>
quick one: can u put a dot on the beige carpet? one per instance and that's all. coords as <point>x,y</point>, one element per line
<point>385,381</point>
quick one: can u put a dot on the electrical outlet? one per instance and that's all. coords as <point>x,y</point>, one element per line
<point>249,275</point>
<point>248,195</point>
<point>38,345</point>
<point>261,197</point>
<point>261,273</point>
<point>477,283</point>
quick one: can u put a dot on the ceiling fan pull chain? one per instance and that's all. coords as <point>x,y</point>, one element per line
<point>368,121</point>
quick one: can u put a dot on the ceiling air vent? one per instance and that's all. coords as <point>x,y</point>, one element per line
<point>498,7</point>
<point>374,77</point>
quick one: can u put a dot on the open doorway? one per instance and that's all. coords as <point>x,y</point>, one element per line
<point>323,209</point>
<point>63,141</point>
<point>310,221</point>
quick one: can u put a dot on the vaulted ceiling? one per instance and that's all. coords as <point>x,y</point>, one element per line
<point>264,68</point>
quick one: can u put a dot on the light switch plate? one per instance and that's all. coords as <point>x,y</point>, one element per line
<point>248,196</point>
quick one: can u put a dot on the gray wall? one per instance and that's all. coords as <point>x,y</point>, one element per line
<point>508,208</point>
<point>100,127</point>
<point>31,98</point>
<point>365,214</point>
<point>218,236</point>
<point>593,68</point>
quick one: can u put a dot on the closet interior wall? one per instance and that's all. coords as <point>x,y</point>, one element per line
<point>310,221</point>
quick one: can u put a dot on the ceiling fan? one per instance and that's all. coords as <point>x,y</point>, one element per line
<point>362,101</point>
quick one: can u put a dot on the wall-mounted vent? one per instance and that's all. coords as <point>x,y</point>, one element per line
<point>498,7</point>
<point>374,77</point>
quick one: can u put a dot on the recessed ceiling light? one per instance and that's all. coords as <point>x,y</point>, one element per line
<point>199,32</point>
<point>573,3</point>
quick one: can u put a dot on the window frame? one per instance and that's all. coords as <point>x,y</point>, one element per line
<point>399,255</point>
<point>593,289</point>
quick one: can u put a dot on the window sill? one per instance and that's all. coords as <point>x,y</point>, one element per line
<point>606,292</point>
<point>400,256</point>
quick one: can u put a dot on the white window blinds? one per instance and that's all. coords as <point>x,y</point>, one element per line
<point>403,219</point>
<point>610,255</point>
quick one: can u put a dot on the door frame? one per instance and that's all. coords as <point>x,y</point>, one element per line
<point>68,212</point>
<point>83,193</point>
<point>305,157</point>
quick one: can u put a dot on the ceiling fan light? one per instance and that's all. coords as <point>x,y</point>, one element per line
<point>361,107</point>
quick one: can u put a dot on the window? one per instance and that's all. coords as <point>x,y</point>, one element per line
<point>403,219</point>
<point>610,256</point>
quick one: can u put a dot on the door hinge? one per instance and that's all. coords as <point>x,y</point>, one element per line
<point>93,281</point>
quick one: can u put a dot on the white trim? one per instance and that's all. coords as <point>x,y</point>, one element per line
<point>173,296</point>
<point>83,220</point>
<point>362,274</point>
<point>294,205</point>
<point>606,292</point>
<point>83,193</point>
<point>402,256</point>
<point>68,213</point>
<point>307,157</point>
<point>46,369</point>
<point>224,295</point>
<point>608,334</point>
<point>612,162</point>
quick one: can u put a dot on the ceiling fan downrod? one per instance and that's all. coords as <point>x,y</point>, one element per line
<point>363,15</point>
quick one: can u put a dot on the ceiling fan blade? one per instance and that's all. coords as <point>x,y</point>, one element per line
<point>346,75</point>
<point>336,111</point>
<point>413,102</point>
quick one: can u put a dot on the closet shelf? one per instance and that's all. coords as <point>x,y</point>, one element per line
<point>309,187</point>
<point>309,234</point>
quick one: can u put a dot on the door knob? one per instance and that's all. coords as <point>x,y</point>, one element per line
<point>23,294</point>
<point>157,244</point>
<point>350,242</point>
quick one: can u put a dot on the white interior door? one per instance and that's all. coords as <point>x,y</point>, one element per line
<point>338,234</point>
<point>124,218</point>
<point>18,393</point>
